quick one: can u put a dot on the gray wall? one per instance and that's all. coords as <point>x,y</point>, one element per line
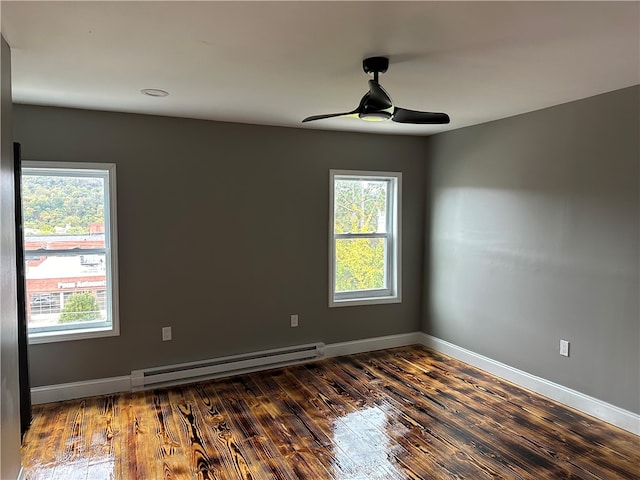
<point>534,238</point>
<point>223,233</point>
<point>9,393</point>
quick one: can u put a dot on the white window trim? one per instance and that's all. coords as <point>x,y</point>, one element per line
<point>394,243</point>
<point>111,240</point>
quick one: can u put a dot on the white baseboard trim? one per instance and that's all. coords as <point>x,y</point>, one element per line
<point>372,344</point>
<point>88,388</point>
<point>619,417</point>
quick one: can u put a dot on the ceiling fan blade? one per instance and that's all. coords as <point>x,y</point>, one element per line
<point>378,99</point>
<point>328,115</point>
<point>402,115</point>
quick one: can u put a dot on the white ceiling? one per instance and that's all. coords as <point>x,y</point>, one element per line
<point>274,63</point>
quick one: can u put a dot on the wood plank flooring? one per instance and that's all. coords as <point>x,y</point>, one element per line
<point>406,413</point>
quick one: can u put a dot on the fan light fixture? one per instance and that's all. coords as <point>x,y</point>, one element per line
<point>375,116</point>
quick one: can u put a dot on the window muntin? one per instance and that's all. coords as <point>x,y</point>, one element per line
<point>70,250</point>
<point>364,238</point>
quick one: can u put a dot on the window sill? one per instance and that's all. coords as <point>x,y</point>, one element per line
<point>353,302</point>
<point>64,336</point>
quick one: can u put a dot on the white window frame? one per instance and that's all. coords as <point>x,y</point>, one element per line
<point>110,250</point>
<point>393,260</point>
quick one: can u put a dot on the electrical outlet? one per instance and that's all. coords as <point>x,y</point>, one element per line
<point>166,333</point>
<point>294,320</point>
<point>564,348</point>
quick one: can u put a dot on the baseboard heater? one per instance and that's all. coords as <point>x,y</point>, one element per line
<point>224,366</point>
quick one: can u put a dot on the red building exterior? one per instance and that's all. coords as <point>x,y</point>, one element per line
<point>51,279</point>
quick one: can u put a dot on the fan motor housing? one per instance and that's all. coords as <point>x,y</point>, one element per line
<point>375,64</point>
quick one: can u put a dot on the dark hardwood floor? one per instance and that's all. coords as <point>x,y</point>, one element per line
<point>406,413</point>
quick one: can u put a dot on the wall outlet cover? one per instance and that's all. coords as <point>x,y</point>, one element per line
<point>166,334</point>
<point>564,348</point>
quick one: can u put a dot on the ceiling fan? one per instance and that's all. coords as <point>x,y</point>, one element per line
<point>377,106</point>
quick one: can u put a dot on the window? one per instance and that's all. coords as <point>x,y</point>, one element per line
<point>69,219</point>
<point>365,246</point>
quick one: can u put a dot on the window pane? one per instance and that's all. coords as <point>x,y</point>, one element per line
<point>360,206</point>
<point>65,289</point>
<point>360,264</point>
<point>58,209</point>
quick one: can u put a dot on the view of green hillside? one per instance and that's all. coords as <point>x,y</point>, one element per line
<point>50,202</point>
